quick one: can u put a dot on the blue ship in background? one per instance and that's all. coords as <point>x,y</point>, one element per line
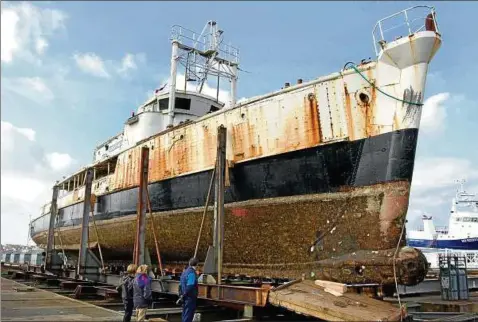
<point>462,230</point>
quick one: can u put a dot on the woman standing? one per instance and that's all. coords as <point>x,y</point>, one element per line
<point>127,292</point>
<point>142,292</point>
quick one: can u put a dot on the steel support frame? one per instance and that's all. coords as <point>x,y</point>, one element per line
<point>233,294</point>
<point>172,80</point>
<point>432,286</point>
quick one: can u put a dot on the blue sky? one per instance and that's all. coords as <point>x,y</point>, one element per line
<point>72,72</point>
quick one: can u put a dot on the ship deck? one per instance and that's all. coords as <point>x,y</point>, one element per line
<point>21,303</point>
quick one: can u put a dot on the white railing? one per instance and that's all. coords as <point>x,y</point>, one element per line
<point>441,229</point>
<point>100,185</point>
<point>204,42</point>
<point>408,21</point>
<point>471,257</point>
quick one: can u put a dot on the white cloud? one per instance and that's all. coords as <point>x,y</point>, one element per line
<point>7,137</point>
<point>434,113</point>
<point>9,41</point>
<point>41,45</point>
<point>27,175</point>
<point>33,88</point>
<point>25,29</point>
<point>128,63</point>
<point>92,64</point>
<point>59,161</point>
<point>22,189</point>
<point>441,172</point>
<point>434,185</point>
<point>38,85</point>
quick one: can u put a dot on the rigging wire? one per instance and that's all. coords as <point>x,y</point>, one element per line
<point>395,271</point>
<point>353,65</point>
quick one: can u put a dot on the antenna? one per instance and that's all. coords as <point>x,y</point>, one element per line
<point>201,55</point>
<point>29,228</point>
<point>461,182</point>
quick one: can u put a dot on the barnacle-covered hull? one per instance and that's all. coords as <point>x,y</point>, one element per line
<point>318,177</point>
<point>355,198</point>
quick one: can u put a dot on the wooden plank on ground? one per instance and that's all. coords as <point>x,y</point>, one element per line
<point>333,286</point>
<point>23,289</point>
<point>309,299</point>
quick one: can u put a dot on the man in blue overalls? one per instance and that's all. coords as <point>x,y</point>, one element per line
<point>189,290</point>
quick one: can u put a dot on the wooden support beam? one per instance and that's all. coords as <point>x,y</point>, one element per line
<point>139,252</point>
<point>51,227</point>
<point>82,257</point>
<point>219,200</point>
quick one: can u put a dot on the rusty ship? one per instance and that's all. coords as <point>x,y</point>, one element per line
<point>318,173</point>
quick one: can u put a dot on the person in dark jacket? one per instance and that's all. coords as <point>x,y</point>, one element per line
<point>142,295</point>
<point>127,292</point>
<point>189,290</point>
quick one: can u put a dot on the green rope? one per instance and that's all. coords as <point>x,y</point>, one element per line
<point>393,97</point>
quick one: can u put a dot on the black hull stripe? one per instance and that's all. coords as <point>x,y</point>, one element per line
<point>382,158</point>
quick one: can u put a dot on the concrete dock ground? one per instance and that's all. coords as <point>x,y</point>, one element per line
<point>47,302</point>
<point>22,303</point>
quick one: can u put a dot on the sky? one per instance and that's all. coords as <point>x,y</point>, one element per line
<point>72,72</point>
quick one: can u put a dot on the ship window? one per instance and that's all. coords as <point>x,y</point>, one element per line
<point>150,107</point>
<point>163,104</point>
<point>214,108</point>
<point>101,171</point>
<point>183,103</point>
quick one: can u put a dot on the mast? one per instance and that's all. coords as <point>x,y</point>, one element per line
<point>201,55</point>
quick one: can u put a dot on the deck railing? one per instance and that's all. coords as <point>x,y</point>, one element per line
<point>204,42</point>
<point>408,21</point>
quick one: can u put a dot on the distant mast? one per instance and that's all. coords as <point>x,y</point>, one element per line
<point>202,55</point>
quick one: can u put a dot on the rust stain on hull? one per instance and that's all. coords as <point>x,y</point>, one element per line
<point>311,114</point>
<point>262,129</point>
<point>348,111</point>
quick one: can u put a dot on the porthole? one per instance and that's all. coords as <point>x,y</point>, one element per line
<point>364,98</point>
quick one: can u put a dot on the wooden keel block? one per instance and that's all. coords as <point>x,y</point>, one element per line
<point>333,292</point>
<point>332,287</point>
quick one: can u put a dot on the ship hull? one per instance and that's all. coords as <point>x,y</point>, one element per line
<point>296,208</point>
<point>462,244</point>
